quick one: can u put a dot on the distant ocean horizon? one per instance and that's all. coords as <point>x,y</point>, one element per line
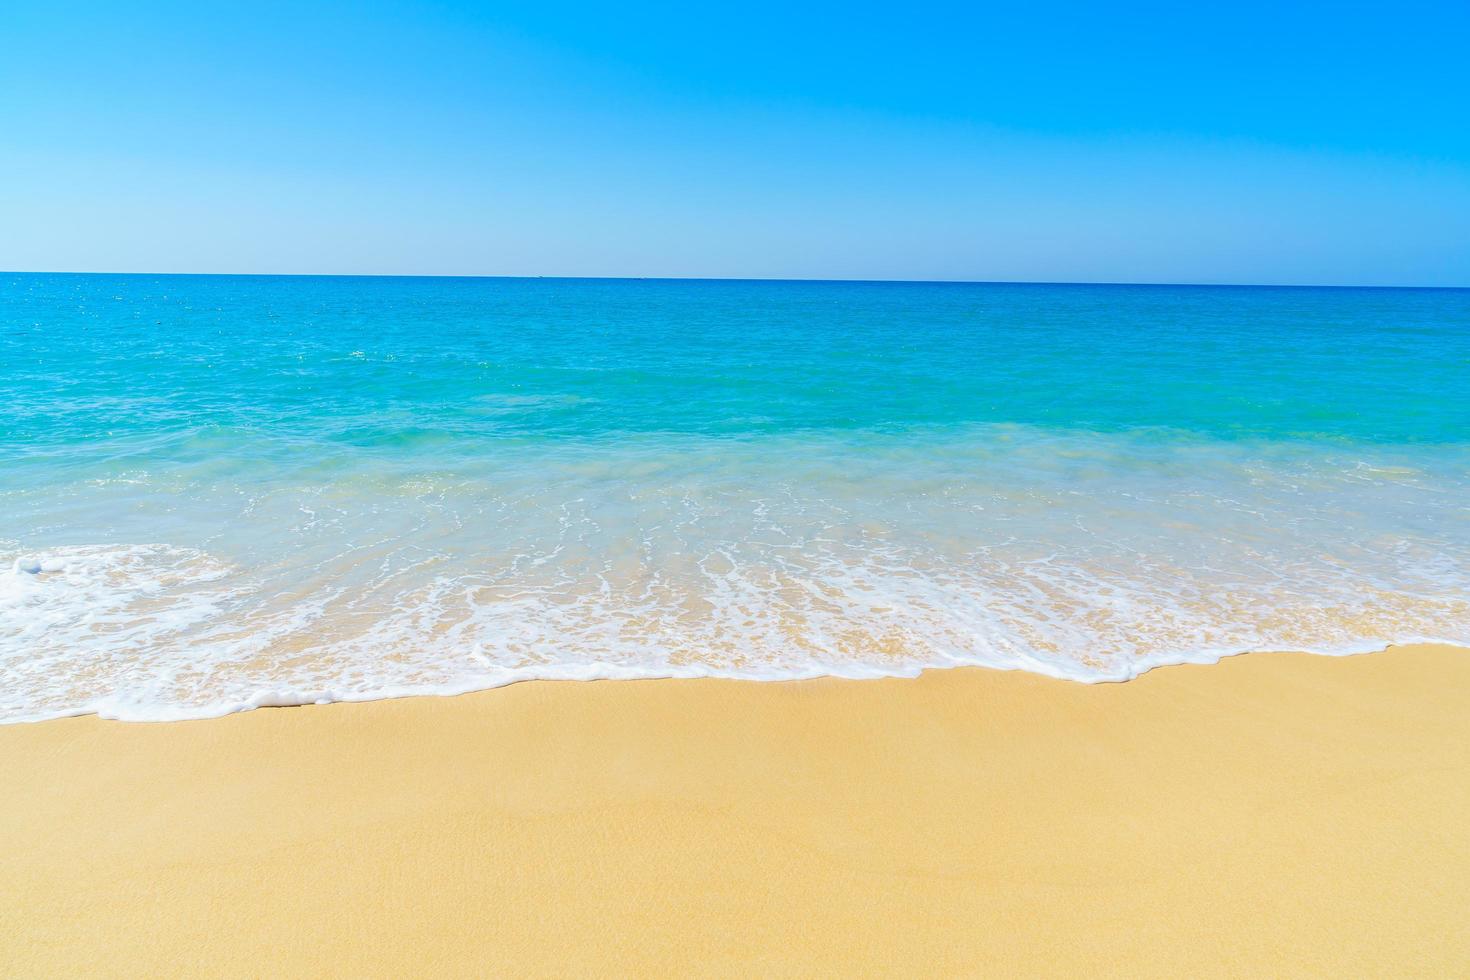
<point>220,492</point>
<point>446,277</point>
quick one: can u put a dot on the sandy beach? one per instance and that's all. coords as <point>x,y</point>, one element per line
<point>1274,813</point>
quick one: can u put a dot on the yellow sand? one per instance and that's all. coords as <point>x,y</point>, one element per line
<point>1273,814</point>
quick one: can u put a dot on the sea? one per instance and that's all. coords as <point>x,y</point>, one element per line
<point>224,492</point>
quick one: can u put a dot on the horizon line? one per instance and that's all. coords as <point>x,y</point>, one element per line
<point>738,279</point>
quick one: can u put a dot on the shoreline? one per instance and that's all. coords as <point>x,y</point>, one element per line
<point>1291,813</point>
<point>581,673</point>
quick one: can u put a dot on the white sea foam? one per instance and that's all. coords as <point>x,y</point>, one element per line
<point>1085,558</point>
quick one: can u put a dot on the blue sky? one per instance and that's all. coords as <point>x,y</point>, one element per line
<point>1154,142</point>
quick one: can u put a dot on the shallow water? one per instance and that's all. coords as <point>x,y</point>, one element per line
<point>217,492</point>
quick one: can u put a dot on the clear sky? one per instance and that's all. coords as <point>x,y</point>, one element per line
<point>1152,142</point>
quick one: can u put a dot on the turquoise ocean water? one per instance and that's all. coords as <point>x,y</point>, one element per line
<point>221,492</point>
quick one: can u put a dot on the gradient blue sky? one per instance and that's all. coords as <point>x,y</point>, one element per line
<point>1145,142</point>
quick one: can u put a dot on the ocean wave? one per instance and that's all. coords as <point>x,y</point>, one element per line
<point>156,632</point>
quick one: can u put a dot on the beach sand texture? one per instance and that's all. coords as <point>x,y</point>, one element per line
<point>1277,814</point>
